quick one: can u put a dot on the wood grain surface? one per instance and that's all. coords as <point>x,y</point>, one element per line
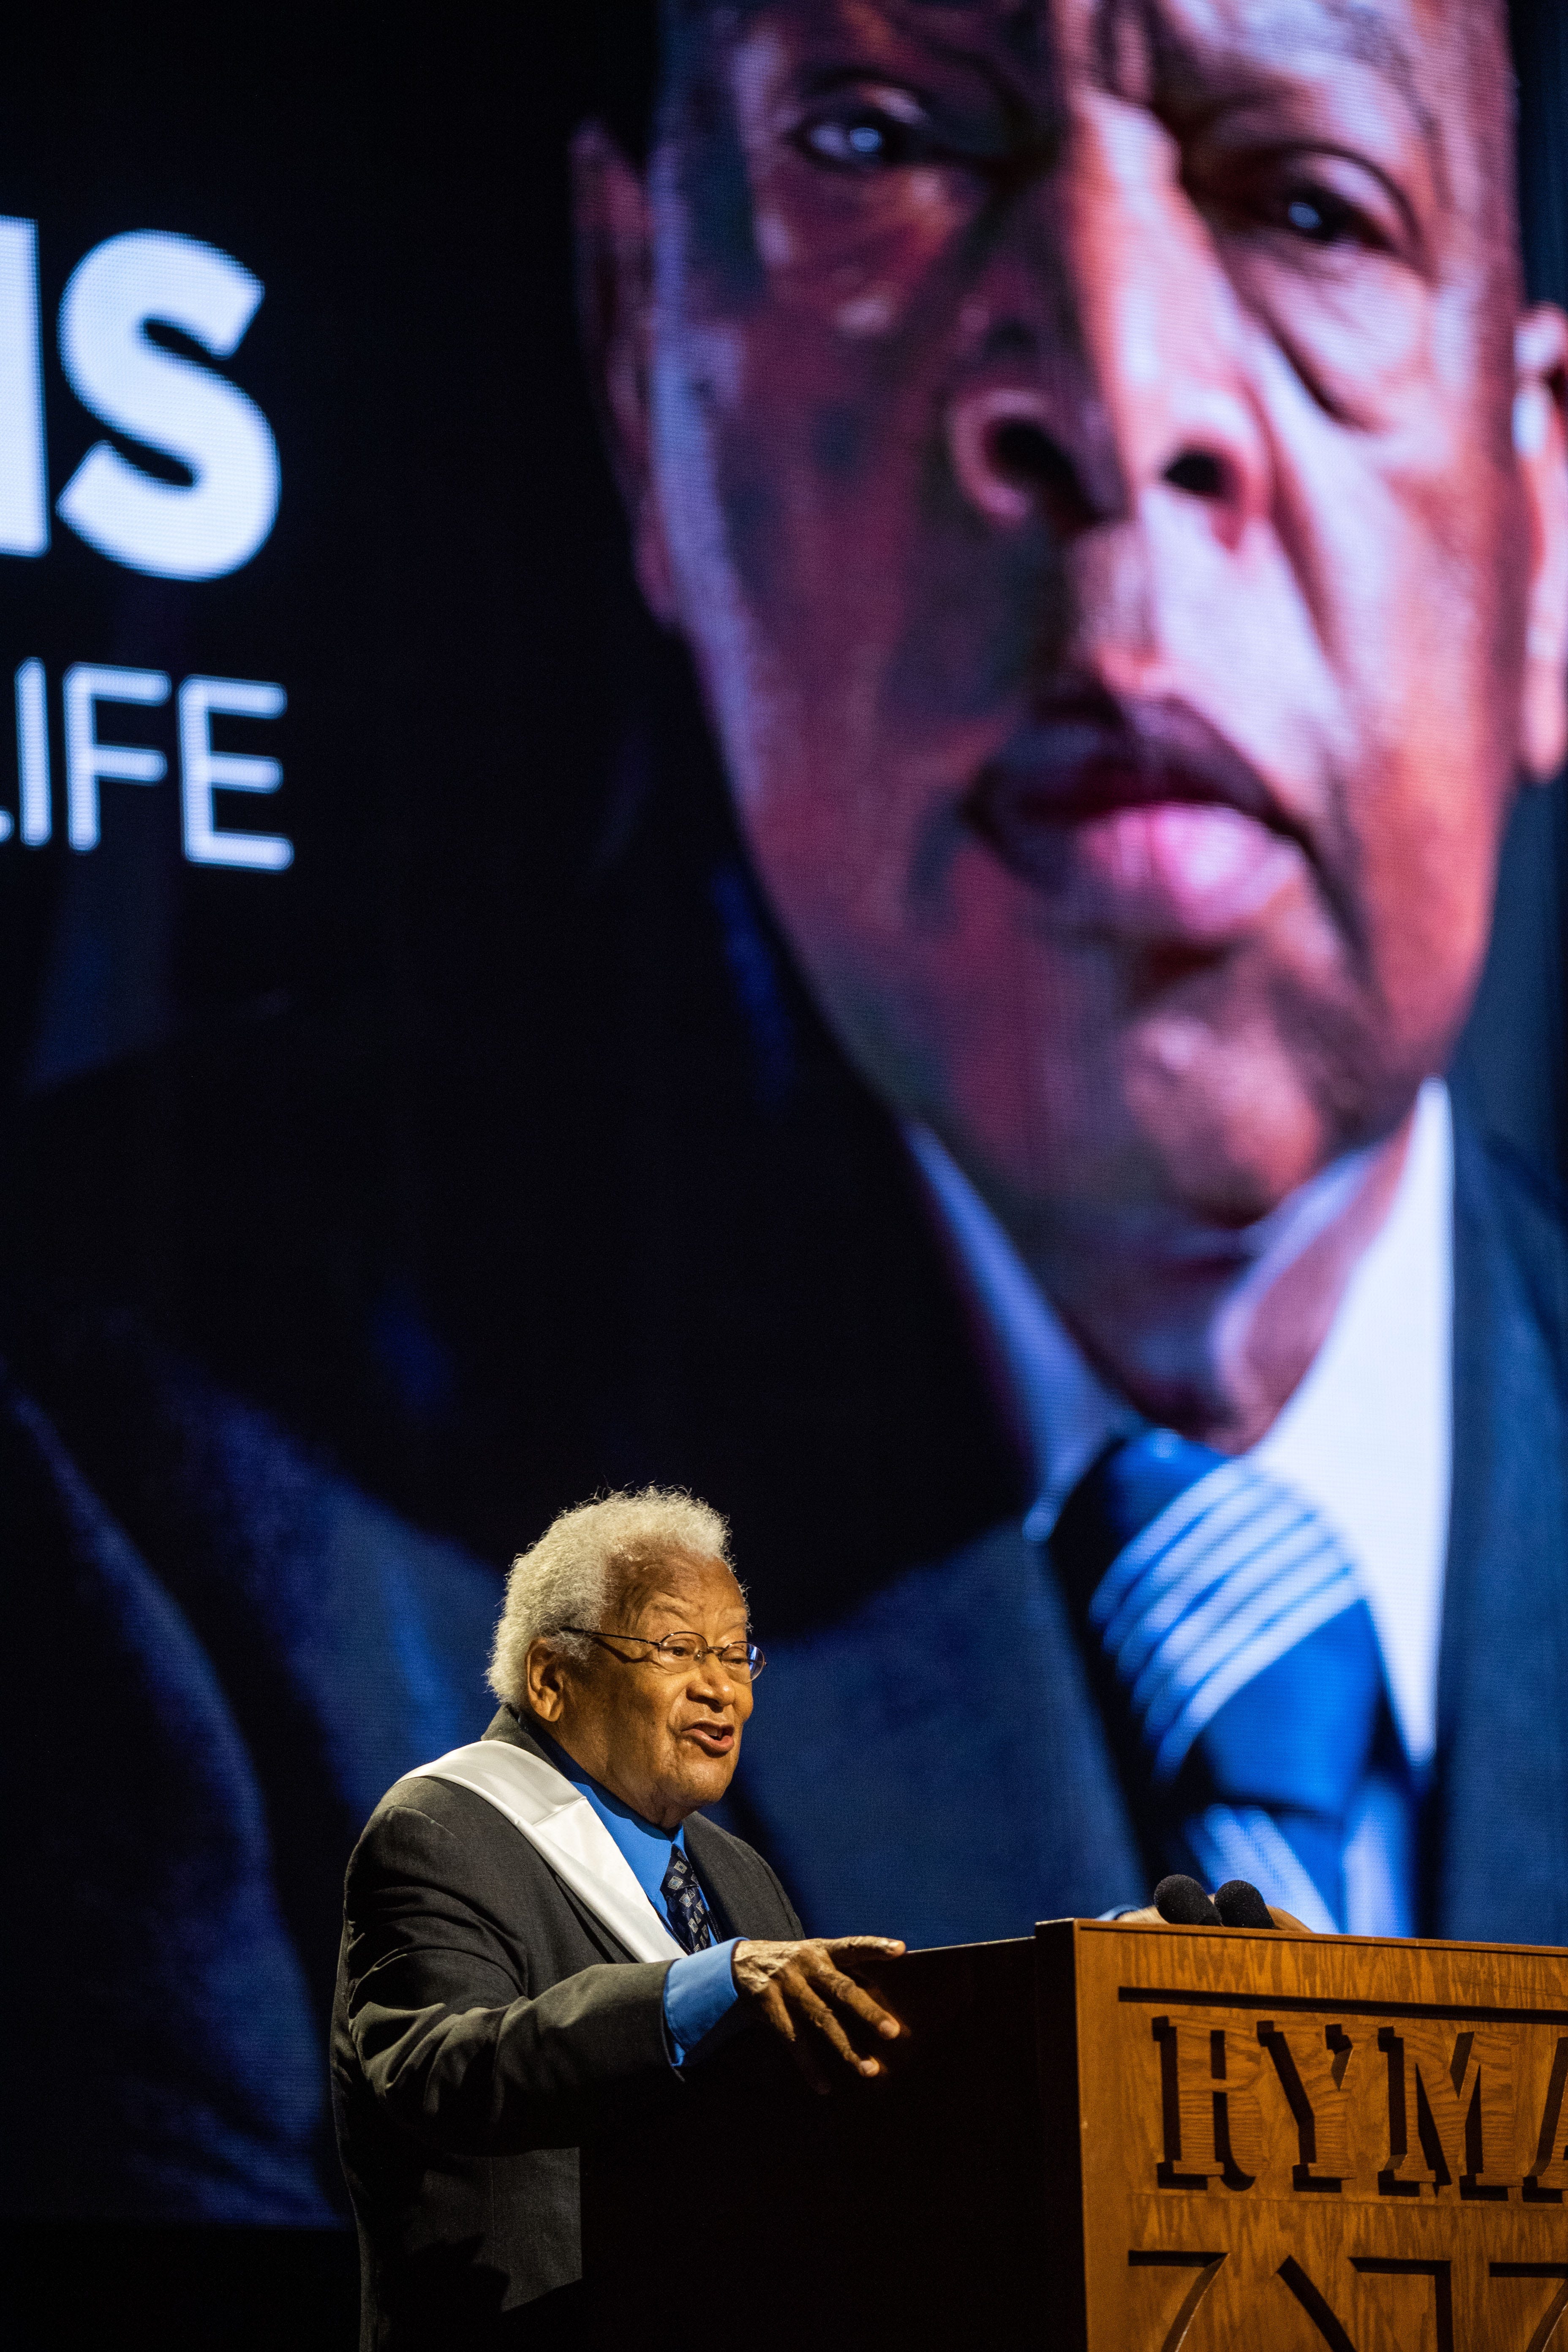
<point>1117,2139</point>
<point>1289,2143</point>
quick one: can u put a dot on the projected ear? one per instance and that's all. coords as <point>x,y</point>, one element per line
<point>1540,446</point>
<point>612,213</point>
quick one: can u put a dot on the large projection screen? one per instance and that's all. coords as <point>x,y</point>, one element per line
<point>785,995</point>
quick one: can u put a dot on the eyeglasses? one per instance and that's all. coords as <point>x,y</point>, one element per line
<point>678,1651</point>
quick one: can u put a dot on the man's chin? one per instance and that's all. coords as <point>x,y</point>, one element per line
<point>1209,1104</point>
<point>705,1778</point>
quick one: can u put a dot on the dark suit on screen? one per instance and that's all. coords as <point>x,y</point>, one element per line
<point>485,2022</point>
<point>981,1789</point>
<point>274,1646</point>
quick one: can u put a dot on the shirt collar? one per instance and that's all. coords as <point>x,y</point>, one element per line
<point>1366,1437</point>
<point>1069,1414</point>
<point>645,1846</point>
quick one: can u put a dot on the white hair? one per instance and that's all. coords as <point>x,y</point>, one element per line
<point>575,1573</point>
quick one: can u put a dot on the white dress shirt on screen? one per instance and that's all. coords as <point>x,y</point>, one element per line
<point>1366,1438</point>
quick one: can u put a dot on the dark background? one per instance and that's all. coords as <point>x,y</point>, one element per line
<point>484,1145</point>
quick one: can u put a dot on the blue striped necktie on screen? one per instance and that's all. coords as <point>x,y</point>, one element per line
<point>1240,1662</point>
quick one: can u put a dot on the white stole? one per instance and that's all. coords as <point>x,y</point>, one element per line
<point>542,1803</point>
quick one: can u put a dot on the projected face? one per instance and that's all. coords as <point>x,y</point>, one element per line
<point>1093,454</point>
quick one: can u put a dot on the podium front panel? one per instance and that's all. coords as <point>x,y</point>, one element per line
<point>1290,2143</point>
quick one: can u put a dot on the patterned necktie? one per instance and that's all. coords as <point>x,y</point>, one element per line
<point>1239,1663</point>
<point>689,1920</point>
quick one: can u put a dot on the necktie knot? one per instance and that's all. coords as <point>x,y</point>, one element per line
<point>1236,1649</point>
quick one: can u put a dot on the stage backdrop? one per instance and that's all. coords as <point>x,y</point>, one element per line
<point>418,1113</point>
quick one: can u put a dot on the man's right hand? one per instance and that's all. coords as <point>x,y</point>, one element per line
<point>806,1996</point>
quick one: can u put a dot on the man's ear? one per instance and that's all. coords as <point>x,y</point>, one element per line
<point>1541,445</point>
<point>611,210</point>
<point>544,1678</point>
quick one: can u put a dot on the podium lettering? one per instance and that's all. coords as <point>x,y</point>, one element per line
<point>1311,2075</point>
<point>1231,2172</point>
<point>1315,2305</point>
<point>1208,2105</point>
<point>1173,2258</point>
<point>1439,2272</point>
<point>1166,2171</point>
<point>1449,2099</point>
<point>1551,2154</point>
<point>1391,2124</point>
<point>1554,2310</point>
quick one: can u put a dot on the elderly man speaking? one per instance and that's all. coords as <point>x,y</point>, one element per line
<point>541,1930</point>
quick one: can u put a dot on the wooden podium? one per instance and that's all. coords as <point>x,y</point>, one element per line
<point>1107,2138</point>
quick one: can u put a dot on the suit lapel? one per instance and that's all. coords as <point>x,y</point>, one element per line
<point>1498,1850</point>
<point>724,1885</point>
<point>603,1940</point>
<point>582,1858</point>
<point>543,1807</point>
<point>934,1766</point>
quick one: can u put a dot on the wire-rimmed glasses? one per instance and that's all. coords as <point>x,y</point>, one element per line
<point>675,1652</point>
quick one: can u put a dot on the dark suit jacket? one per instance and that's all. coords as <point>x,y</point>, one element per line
<point>485,2022</point>
<point>279,1646</point>
<point>936,1767</point>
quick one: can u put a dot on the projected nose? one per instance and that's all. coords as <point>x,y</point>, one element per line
<point>1022,454</point>
<point>1201,474</point>
<point>1012,465</point>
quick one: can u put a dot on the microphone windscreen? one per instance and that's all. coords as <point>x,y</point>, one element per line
<point>1240,1905</point>
<point>1182,1902</point>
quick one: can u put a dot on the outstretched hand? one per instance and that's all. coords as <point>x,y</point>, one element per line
<point>806,1996</point>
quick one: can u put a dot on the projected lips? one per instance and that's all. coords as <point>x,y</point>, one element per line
<point>1138,818</point>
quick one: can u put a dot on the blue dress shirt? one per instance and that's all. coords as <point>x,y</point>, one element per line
<point>700,1986</point>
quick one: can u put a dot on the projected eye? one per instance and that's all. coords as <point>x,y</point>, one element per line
<point>1328,202</point>
<point>869,134</point>
<point>1323,218</point>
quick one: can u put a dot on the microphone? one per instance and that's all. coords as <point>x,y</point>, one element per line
<point>1240,1905</point>
<point>1182,1902</point>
